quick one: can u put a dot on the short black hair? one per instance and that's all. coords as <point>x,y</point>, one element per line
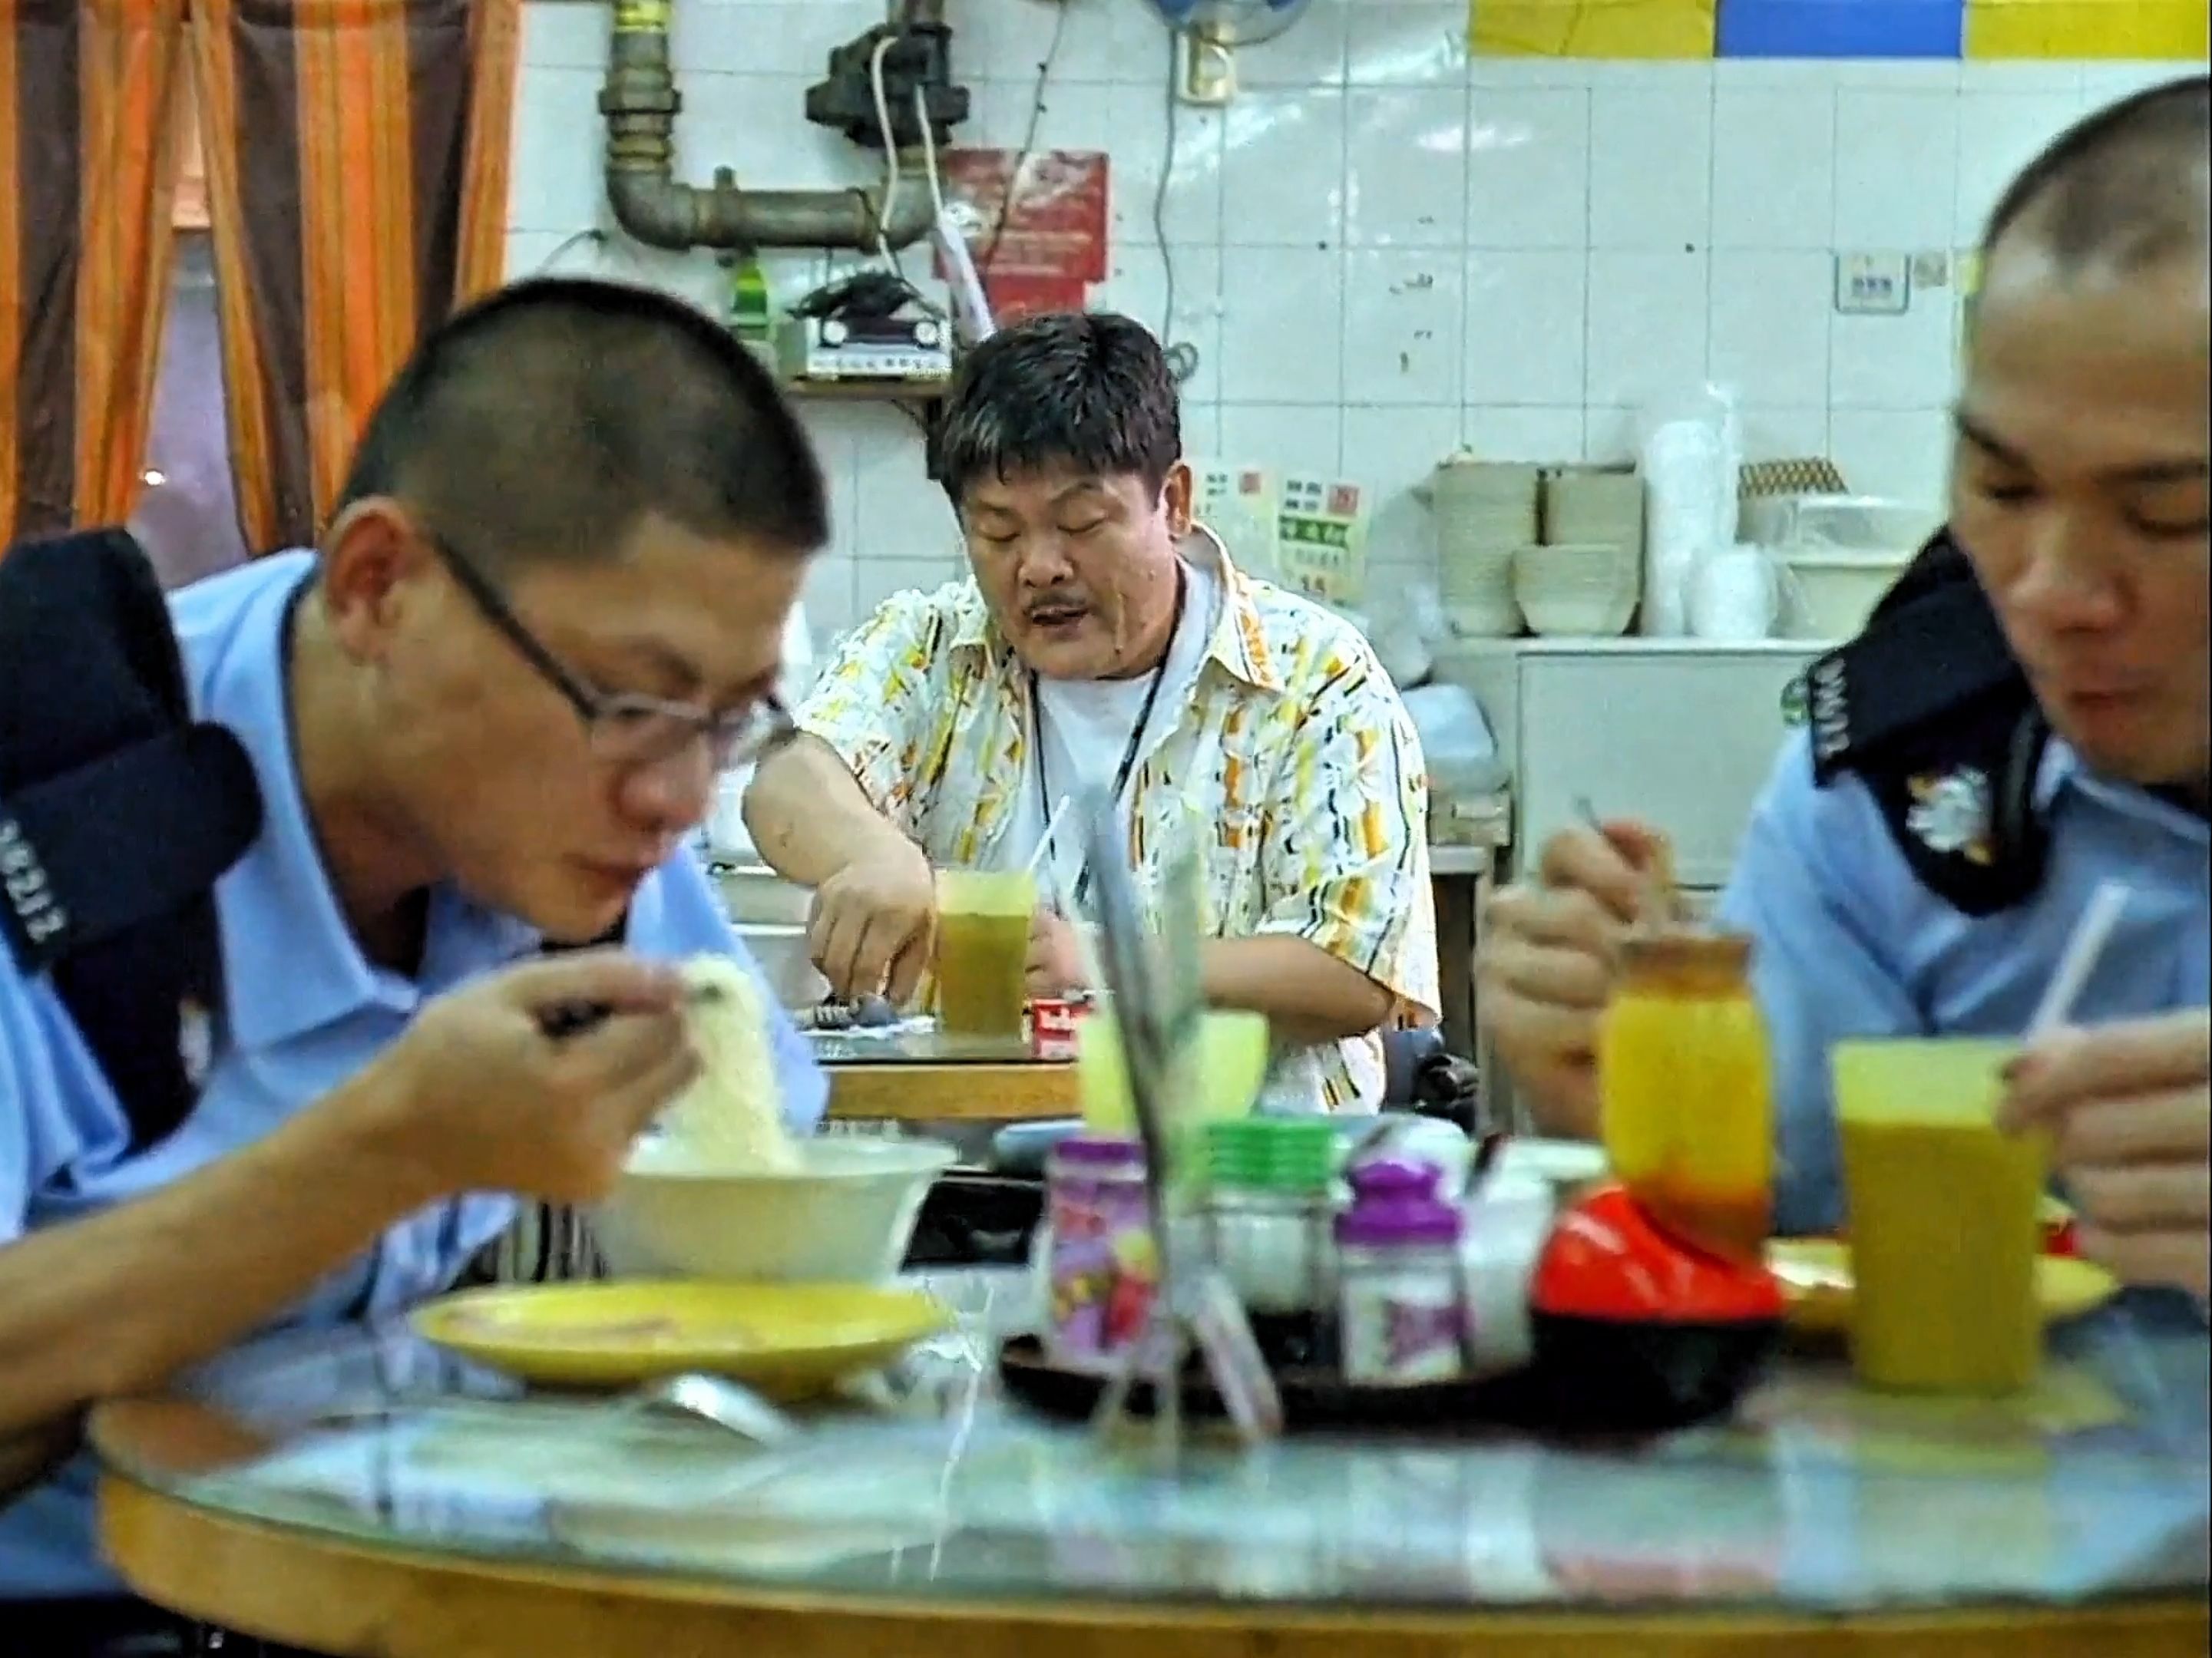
<point>1087,389</point>
<point>542,424</point>
<point>2125,188</point>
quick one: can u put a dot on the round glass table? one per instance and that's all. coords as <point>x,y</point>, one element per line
<point>365,1494</point>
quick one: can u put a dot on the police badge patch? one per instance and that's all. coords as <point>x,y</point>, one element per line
<point>1950,813</point>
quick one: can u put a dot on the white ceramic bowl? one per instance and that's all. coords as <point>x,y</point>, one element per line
<point>754,894</point>
<point>845,1218</point>
<point>1587,591</point>
<point>785,962</point>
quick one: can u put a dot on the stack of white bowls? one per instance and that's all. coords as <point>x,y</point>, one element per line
<point>1584,507</point>
<point>1584,581</point>
<point>1485,511</point>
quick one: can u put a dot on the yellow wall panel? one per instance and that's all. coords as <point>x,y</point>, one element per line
<point>1592,29</point>
<point>2174,29</point>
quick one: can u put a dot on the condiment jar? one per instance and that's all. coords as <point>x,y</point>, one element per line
<point>1402,1318</point>
<point>1686,1090</point>
<point>1102,1265</point>
<point>1268,1211</point>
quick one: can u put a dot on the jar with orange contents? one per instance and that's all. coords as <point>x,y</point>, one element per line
<point>1687,1092</point>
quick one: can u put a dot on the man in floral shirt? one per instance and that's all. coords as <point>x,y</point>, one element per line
<point>1104,641</point>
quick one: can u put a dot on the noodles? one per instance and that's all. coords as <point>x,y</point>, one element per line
<point>730,1119</point>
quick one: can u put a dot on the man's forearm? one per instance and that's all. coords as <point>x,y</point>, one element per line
<point>807,814</point>
<point>118,1303</point>
<point>1307,994</point>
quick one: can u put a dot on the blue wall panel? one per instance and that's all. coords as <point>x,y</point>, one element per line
<point>1842,28</point>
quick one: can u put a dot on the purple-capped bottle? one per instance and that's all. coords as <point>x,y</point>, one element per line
<point>1403,1320</point>
<point>1101,1267</point>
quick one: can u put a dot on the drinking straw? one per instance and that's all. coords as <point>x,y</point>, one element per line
<point>1044,841</point>
<point>2085,946</point>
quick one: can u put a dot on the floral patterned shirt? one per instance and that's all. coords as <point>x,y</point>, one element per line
<point>1293,759</point>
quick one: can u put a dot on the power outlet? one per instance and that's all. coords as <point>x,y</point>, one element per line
<point>1873,284</point>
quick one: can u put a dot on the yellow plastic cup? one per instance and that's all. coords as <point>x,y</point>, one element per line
<point>982,951</point>
<point>1945,1217</point>
<point>1222,1082</point>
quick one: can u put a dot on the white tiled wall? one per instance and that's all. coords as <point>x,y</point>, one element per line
<point>1381,250</point>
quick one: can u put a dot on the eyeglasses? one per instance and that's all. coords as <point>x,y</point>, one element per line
<point>627,728</point>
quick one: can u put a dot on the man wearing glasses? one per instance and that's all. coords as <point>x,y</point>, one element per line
<point>547,611</point>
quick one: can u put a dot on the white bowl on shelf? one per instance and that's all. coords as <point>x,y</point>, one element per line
<point>1587,591</point>
<point>845,1216</point>
<point>1831,594</point>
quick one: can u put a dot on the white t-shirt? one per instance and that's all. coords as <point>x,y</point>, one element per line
<point>1085,726</point>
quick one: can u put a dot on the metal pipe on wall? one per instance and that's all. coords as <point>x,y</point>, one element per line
<point>639,103</point>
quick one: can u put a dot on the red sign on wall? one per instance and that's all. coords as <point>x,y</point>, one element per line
<point>1038,239</point>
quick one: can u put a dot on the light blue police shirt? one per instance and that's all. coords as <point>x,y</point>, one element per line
<point>1848,943</point>
<point>307,1010</point>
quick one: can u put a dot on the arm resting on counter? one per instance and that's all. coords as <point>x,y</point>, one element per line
<point>808,814</point>
<point>1308,995</point>
<point>826,799</point>
<point>117,1304</point>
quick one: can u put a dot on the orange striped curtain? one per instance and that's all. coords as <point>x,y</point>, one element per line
<point>89,114</point>
<point>357,155</point>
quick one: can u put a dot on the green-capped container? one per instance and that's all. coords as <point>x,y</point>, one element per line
<point>1268,1207</point>
<point>1281,1154</point>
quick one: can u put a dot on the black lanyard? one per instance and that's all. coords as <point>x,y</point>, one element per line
<point>1121,773</point>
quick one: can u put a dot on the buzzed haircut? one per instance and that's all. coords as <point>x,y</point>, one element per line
<point>2125,189</point>
<point>543,423</point>
<point>1090,391</point>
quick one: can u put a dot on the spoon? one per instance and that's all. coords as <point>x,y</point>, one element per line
<point>717,1402</point>
<point>1662,905</point>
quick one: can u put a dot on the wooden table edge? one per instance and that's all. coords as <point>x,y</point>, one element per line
<point>957,1091</point>
<point>354,1601</point>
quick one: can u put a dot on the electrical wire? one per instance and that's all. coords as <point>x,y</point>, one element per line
<point>935,179</point>
<point>891,147</point>
<point>592,237</point>
<point>1029,138</point>
<point>1182,355</point>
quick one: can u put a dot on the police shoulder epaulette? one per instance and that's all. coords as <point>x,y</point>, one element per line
<point>1928,708</point>
<point>117,813</point>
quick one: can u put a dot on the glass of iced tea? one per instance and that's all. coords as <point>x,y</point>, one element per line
<point>1945,1217</point>
<point>982,951</point>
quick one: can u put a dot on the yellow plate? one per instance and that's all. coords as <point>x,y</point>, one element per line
<point>791,1339</point>
<point>1816,1278</point>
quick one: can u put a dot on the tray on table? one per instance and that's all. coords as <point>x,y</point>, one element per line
<point>1313,1397</point>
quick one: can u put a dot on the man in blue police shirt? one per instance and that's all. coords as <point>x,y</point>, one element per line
<point>2079,498</point>
<point>549,607</point>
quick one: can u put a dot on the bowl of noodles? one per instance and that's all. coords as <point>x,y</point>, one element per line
<point>722,1189</point>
